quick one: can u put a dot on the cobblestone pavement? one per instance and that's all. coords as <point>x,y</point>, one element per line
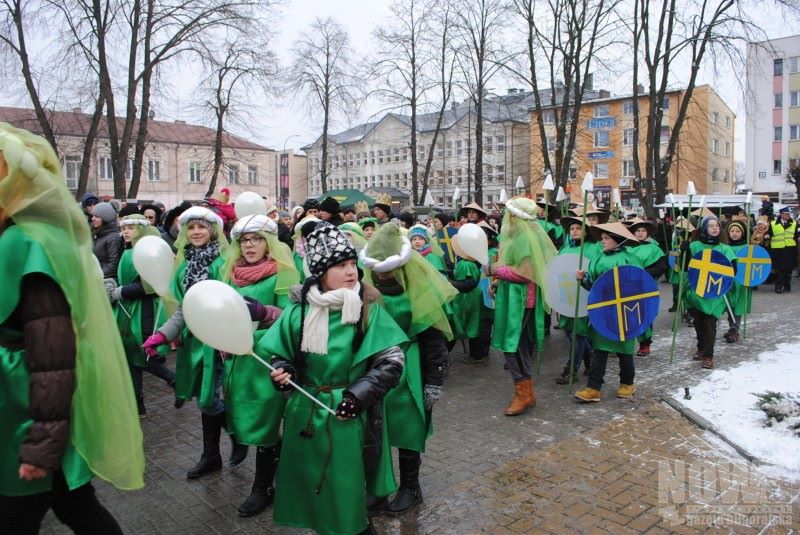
<point>608,467</point>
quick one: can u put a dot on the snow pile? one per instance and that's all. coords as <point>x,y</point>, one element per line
<point>782,410</point>
<point>729,399</point>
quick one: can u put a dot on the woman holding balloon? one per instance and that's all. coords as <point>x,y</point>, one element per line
<point>135,308</point>
<point>260,268</point>
<point>198,367</point>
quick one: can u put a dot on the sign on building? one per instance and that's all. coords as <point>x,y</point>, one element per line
<point>601,122</point>
<point>601,154</point>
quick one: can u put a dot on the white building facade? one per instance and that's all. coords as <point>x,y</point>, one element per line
<point>772,142</point>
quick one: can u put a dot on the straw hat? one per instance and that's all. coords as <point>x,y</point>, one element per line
<point>617,230</point>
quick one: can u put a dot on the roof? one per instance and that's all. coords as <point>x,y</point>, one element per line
<point>394,193</point>
<point>347,197</point>
<point>71,123</point>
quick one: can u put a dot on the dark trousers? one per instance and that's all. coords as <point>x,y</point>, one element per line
<point>79,509</point>
<point>479,346</point>
<point>597,369</point>
<point>783,280</point>
<point>706,328</point>
<point>519,363</point>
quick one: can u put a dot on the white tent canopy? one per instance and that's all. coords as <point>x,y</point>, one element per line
<point>718,201</point>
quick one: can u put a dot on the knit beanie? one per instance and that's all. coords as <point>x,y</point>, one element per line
<point>325,247</point>
<point>330,205</point>
<point>418,231</point>
<point>105,212</point>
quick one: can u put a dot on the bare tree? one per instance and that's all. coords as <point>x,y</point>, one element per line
<point>325,78</point>
<point>412,61</point>
<point>479,25</point>
<point>237,73</point>
<point>662,39</point>
<point>563,40</point>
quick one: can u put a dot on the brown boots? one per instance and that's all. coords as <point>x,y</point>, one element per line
<point>524,397</point>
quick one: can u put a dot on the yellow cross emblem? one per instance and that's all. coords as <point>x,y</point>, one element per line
<point>707,270</point>
<point>446,239</point>
<point>620,303</point>
<point>748,260</point>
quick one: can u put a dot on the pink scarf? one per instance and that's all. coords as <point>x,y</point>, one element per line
<point>245,274</point>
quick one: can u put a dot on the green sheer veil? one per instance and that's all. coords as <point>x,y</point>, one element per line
<point>287,275</point>
<point>104,428</point>
<point>524,245</point>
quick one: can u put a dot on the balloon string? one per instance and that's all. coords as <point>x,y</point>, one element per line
<point>296,386</point>
<point>155,318</point>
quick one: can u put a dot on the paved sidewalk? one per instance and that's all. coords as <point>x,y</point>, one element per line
<point>560,468</point>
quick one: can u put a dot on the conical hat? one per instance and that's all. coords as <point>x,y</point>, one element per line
<point>637,222</point>
<point>473,206</point>
<point>681,223</point>
<point>617,230</point>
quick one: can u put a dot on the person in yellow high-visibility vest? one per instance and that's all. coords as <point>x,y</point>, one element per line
<point>783,236</point>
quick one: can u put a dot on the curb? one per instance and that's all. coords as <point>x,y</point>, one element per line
<point>704,424</point>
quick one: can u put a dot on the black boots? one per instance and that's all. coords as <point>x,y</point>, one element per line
<point>409,494</point>
<point>210,461</point>
<point>238,452</point>
<point>263,493</point>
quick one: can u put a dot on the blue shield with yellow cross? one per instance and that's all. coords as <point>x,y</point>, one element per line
<point>444,236</point>
<point>623,303</point>
<point>710,274</point>
<point>752,265</point>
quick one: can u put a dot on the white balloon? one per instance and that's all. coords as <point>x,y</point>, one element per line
<point>249,203</point>
<point>154,261</point>
<point>218,317</point>
<point>472,240</point>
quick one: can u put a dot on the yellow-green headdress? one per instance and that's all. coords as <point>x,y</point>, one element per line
<point>142,225</point>
<point>524,245</point>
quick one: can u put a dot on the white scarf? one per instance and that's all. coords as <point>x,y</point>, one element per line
<point>315,327</point>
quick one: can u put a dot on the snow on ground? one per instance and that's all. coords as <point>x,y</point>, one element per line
<point>727,399</point>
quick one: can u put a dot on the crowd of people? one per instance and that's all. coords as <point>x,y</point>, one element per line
<point>357,305</point>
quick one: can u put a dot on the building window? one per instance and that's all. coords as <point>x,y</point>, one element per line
<point>551,143</point>
<point>489,173</point>
<point>601,110</point>
<point>233,174</point>
<point>487,144</point>
<point>665,103</point>
<point>500,172</point>
<point>350,160</point>
<point>153,170</point>
<point>727,148</point>
<point>794,98</point>
<point>372,157</point>
<point>627,169</point>
<point>665,133</point>
<point>778,134</point>
<point>727,176</point>
<point>715,146</point>
<point>776,167</point>
<point>501,143</point>
<point>252,174</point>
<point>105,171</point>
<point>601,170</point>
<point>627,136</point>
<point>380,156</point>
<point>459,147</point>
<point>778,100</point>
<point>714,175</point>
<point>405,154</point>
<point>397,155</point>
<point>627,107</point>
<point>714,117</point>
<point>440,151</point>
<point>794,64</point>
<point>72,171</point>
<point>727,121</point>
<point>449,149</point>
<point>601,138</point>
<point>194,172</point>
<point>777,67</point>
<point>549,117</point>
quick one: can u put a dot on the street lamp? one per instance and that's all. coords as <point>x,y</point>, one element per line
<point>278,189</point>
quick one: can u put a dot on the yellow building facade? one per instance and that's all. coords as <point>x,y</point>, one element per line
<point>604,145</point>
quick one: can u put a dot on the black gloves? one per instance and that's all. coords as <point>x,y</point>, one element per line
<point>349,407</point>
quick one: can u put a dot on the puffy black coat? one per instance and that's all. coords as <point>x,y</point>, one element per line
<point>108,247</point>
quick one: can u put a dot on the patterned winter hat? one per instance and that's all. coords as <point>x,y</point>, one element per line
<point>327,246</point>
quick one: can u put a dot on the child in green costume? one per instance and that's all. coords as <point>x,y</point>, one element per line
<point>198,367</point>
<point>260,268</point>
<point>654,261</point>
<point>466,307</point>
<point>67,409</point>
<point>613,237</point>
<point>706,311</point>
<point>424,244</point>
<point>415,295</point>
<point>740,297</point>
<point>342,347</point>
<point>135,307</point>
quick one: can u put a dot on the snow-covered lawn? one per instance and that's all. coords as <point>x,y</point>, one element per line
<point>727,399</point>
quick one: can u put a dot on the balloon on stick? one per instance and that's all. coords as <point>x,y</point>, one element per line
<point>154,261</point>
<point>249,203</point>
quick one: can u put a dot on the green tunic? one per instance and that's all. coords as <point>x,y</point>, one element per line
<point>467,306</point>
<point>194,362</point>
<point>20,256</point>
<point>407,422</point>
<point>322,482</point>
<point>563,321</point>
<point>130,328</point>
<point>254,407</point>
<point>298,264</point>
<point>509,306</point>
<point>711,306</point>
<point>436,261</point>
<point>740,297</point>
<point>597,267</point>
<point>648,254</point>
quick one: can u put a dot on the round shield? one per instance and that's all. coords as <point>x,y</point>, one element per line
<point>562,288</point>
<point>710,274</point>
<point>753,265</point>
<point>623,303</point>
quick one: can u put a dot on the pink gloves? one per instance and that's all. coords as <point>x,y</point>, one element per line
<point>150,345</point>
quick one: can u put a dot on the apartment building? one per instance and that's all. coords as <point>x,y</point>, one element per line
<point>178,159</point>
<point>604,145</point>
<point>772,131</point>
<point>377,154</point>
